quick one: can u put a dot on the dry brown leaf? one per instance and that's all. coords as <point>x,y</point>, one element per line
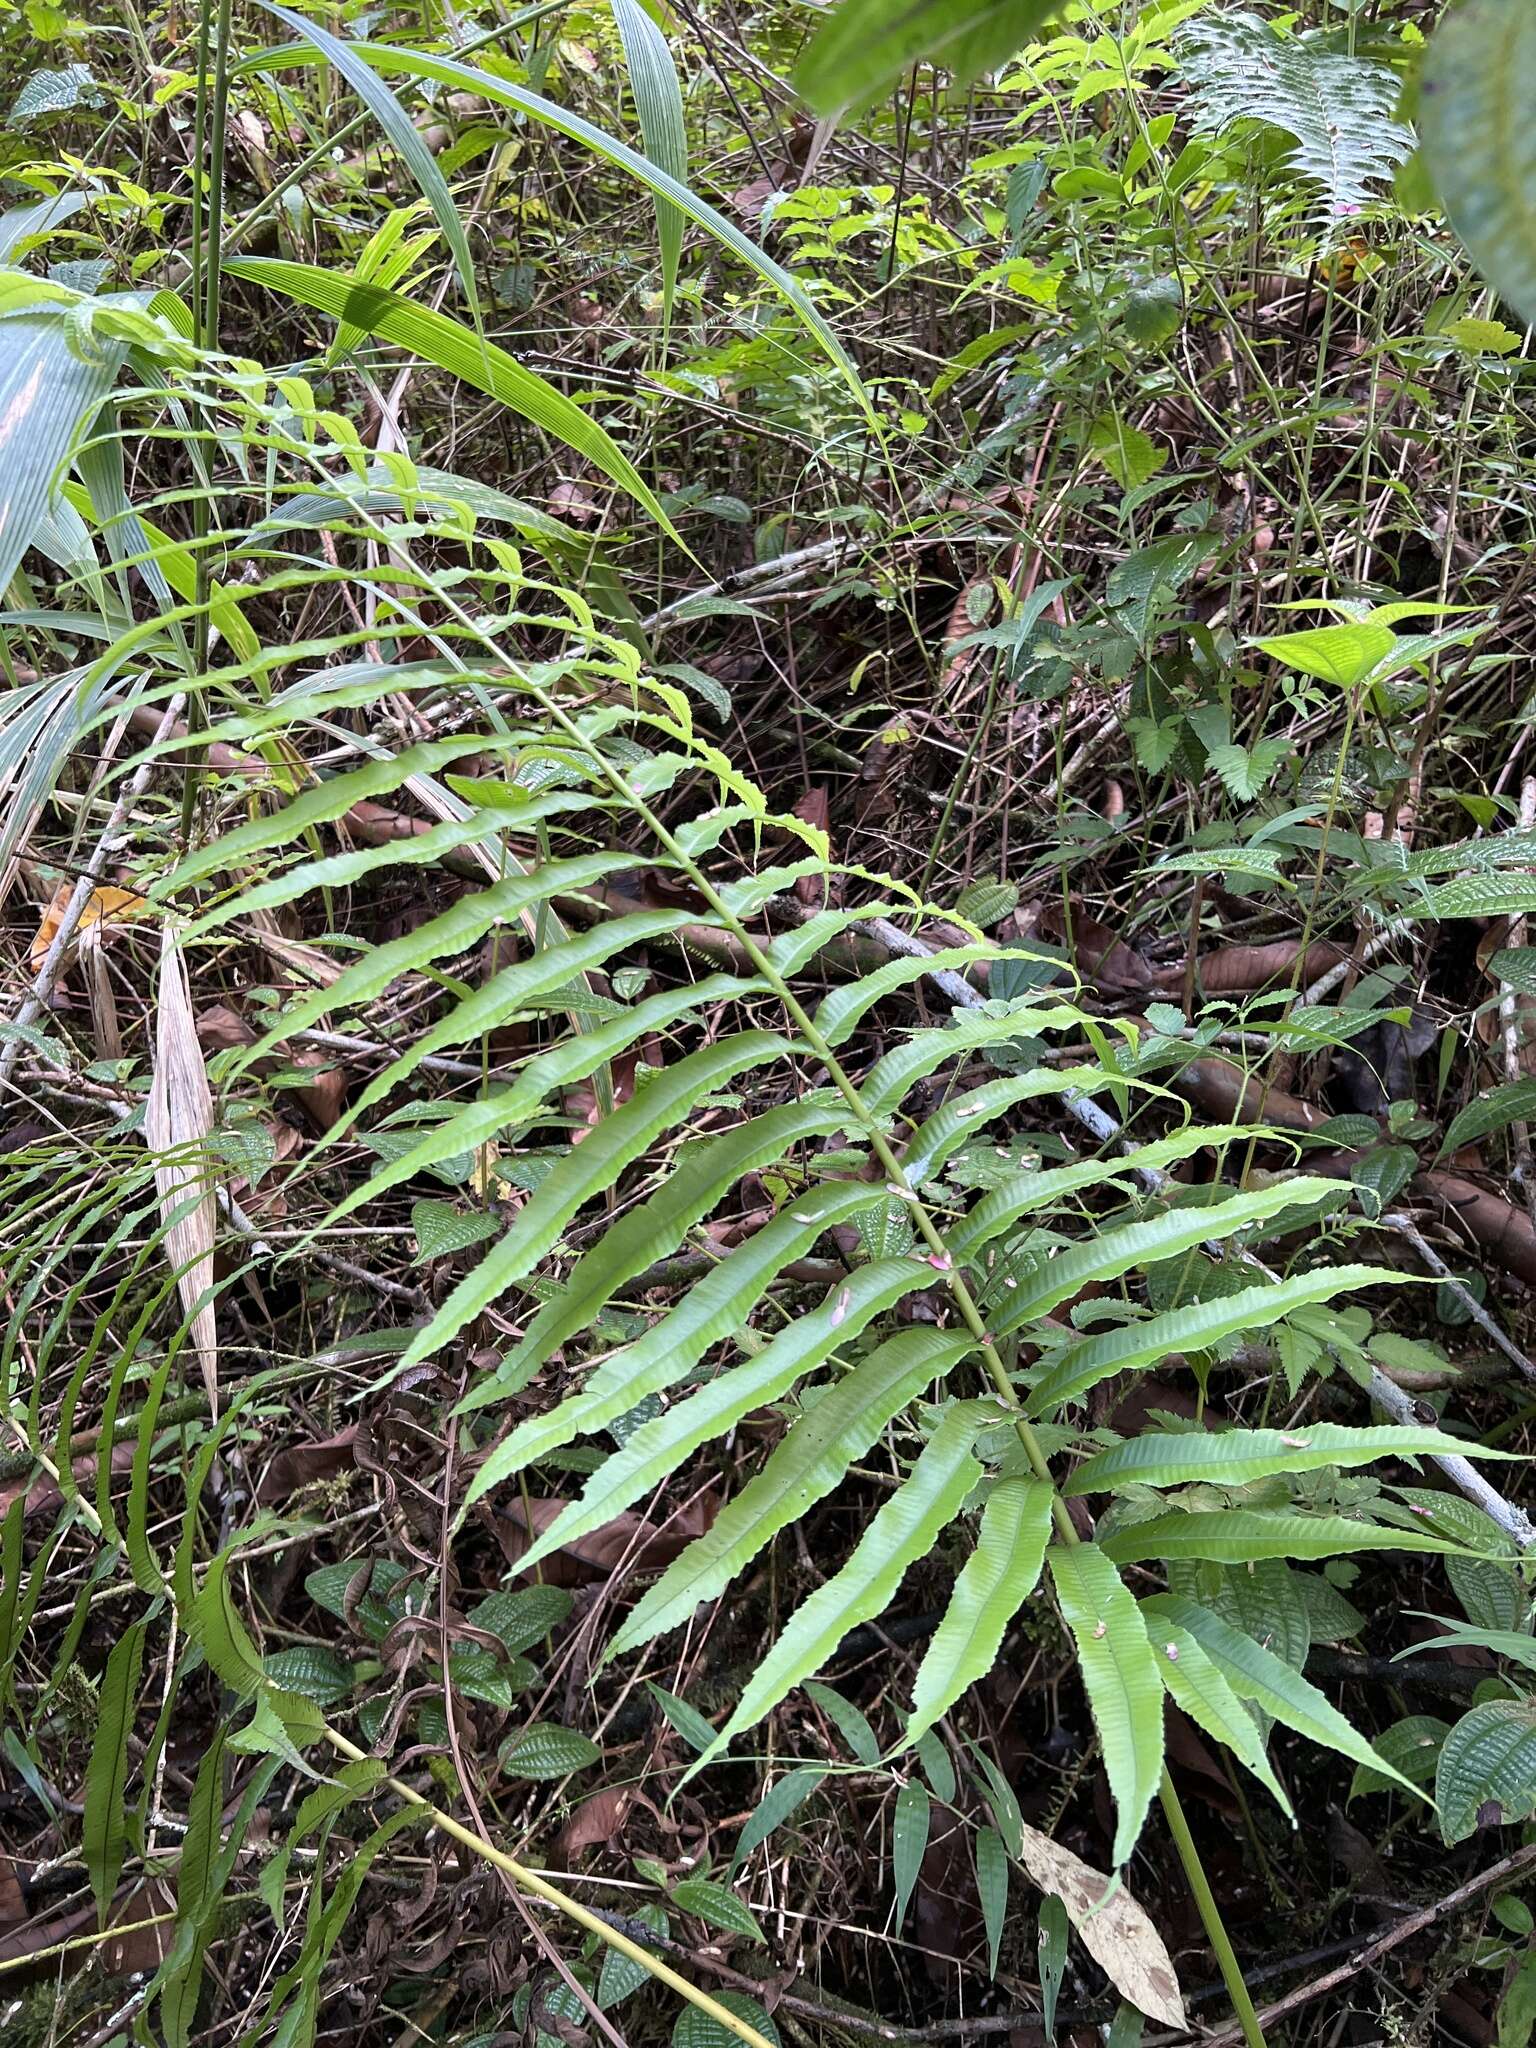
<point>596,1820</point>
<point>1117,1934</point>
<point>177,1124</point>
<point>103,907</point>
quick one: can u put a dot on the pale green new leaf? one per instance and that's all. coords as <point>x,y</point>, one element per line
<point>1249,1535</point>
<point>805,1467</point>
<point>658,1447</point>
<point>1194,1683</point>
<point>1196,1327</point>
<point>590,1169</point>
<point>903,1529</point>
<point>1503,1642</point>
<point>713,1309</point>
<point>994,1582</point>
<point>1120,1677</point>
<point>867,46</point>
<point>1256,1674</point>
<point>1167,1236</point>
<point>1236,1457</point>
<point>453,347</point>
<point>705,1171</point>
<point>104,1828</point>
<point>1479,141</point>
<point>659,103</point>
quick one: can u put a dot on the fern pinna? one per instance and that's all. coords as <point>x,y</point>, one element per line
<point>950,1334</point>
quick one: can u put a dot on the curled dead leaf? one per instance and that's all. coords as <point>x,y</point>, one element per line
<point>1115,1931</point>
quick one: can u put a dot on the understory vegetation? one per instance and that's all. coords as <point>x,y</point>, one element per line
<point>769,1023</point>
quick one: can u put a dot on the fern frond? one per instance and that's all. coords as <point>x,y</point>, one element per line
<point>1338,110</point>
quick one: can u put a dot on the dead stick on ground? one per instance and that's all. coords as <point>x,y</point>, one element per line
<point>1406,1227</point>
<point>1304,1994</point>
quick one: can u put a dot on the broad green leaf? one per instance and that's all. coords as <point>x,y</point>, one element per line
<point>1256,1674</point>
<point>1051,1939</point>
<point>1236,1457</point>
<point>687,1720</point>
<point>850,1721</point>
<point>805,1467</point>
<point>1513,1102</point>
<point>994,1582</point>
<point>717,1906</point>
<point>696,2028</point>
<point>903,1529</point>
<point>1343,654</point>
<point>867,46</point>
<point>658,1447</point>
<point>452,347</point>
<point>574,1059</point>
<point>917,1055</point>
<point>1478,140</point>
<point>1194,1683</point>
<point>543,1750</point>
<point>1503,1642</point>
<point>1198,1326</point>
<point>621,1975</point>
<point>403,135</point>
<point>518,1617</point>
<point>705,1171</point>
<point>50,389</point>
<point>1411,1746</point>
<point>1114,1252</point>
<point>590,1169</point>
<point>1120,1677</point>
<point>104,1828</point>
<point>965,1117</point>
<point>218,1630</point>
<point>1244,1535</point>
<point>659,104</point>
<point>1490,1755</point>
<point>909,1840</point>
<point>839,1013</point>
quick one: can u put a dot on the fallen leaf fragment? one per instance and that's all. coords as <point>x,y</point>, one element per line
<point>103,907</point>
<point>1117,1934</point>
<point>177,1124</point>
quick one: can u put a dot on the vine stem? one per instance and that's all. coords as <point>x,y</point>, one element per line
<point>965,1303</point>
<point>529,1881</point>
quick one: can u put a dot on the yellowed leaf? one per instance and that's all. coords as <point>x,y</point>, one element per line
<point>177,1122</point>
<point>104,907</point>
<point>1117,1934</point>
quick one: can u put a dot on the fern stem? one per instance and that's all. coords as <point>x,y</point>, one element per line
<point>1210,1913</point>
<point>529,1881</point>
